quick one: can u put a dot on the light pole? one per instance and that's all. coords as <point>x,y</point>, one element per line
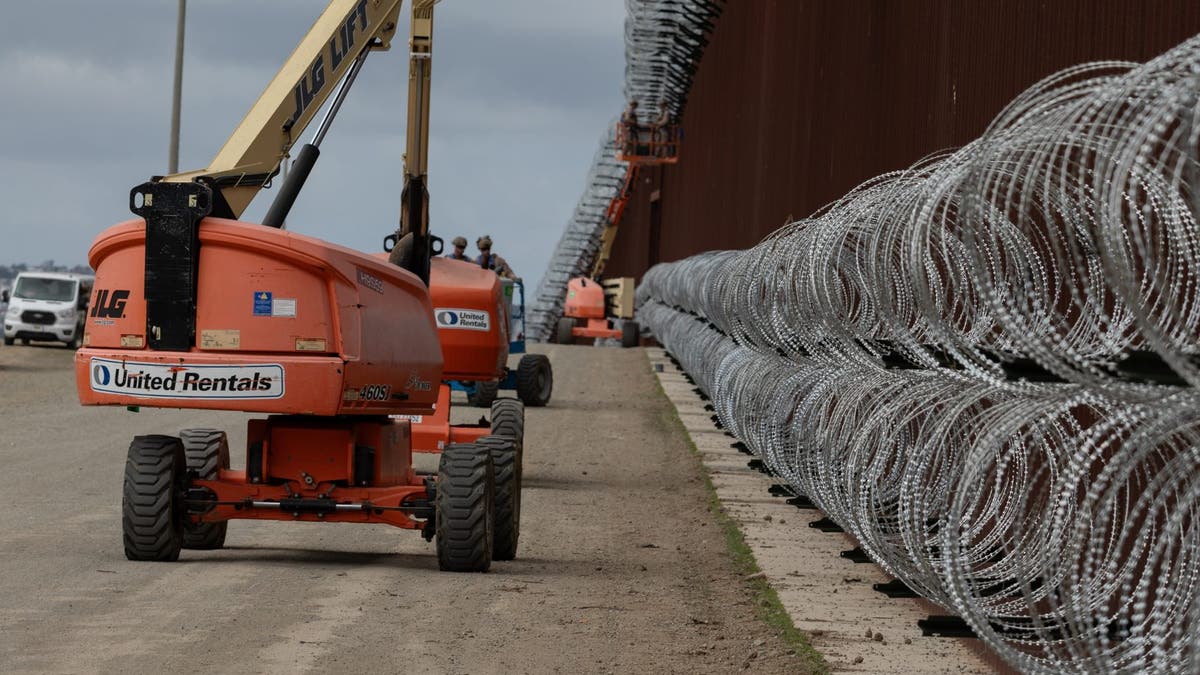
<point>173,152</point>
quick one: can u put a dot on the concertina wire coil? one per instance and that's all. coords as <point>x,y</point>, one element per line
<point>1056,514</point>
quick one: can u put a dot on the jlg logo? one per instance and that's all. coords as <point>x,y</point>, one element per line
<point>306,90</point>
<point>110,305</point>
<point>311,84</point>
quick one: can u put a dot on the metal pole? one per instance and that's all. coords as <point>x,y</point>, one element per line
<point>343,89</point>
<point>173,153</point>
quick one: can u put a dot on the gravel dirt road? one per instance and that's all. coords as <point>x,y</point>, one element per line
<point>621,567</point>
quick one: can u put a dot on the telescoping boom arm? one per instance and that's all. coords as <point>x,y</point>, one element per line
<point>338,42</point>
<point>328,58</point>
<point>413,242</point>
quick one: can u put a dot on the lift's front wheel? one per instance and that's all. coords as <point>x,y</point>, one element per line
<point>535,380</point>
<point>484,393</point>
<point>508,419</point>
<point>563,334</point>
<point>207,452</point>
<point>152,510</point>
<point>465,508</point>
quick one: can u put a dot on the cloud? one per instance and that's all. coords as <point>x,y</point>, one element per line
<point>522,90</point>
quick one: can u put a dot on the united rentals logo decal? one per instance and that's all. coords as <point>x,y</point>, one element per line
<point>157,380</point>
<point>467,319</point>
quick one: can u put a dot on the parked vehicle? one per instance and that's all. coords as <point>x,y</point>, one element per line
<point>48,306</point>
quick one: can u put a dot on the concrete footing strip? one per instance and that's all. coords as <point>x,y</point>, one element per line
<point>829,597</point>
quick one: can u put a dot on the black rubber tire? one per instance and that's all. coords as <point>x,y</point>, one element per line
<point>76,341</point>
<point>484,394</point>
<point>508,422</point>
<point>151,502</point>
<point>563,334</point>
<point>506,463</point>
<point>206,452</point>
<point>535,380</point>
<point>466,495</point>
<point>8,341</point>
<point>630,334</point>
<point>508,419</point>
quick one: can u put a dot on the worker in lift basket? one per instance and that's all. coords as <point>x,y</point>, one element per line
<point>490,261</point>
<point>460,250</point>
<point>629,120</point>
<point>660,130</point>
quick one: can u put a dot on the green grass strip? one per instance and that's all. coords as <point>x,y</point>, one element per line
<point>766,600</point>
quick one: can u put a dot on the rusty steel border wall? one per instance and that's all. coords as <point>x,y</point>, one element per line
<point>797,101</point>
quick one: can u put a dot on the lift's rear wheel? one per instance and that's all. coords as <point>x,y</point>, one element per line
<point>465,501</point>
<point>207,452</point>
<point>630,334</point>
<point>152,510</point>
<point>506,462</point>
<point>565,324</point>
<point>535,380</point>
<point>484,393</point>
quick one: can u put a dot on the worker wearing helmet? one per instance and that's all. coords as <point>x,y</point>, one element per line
<point>629,120</point>
<point>490,261</point>
<point>460,250</point>
<point>660,133</point>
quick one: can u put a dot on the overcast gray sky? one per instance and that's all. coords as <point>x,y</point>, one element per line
<point>522,91</point>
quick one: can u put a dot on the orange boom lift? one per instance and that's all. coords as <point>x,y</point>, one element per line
<point>337,349</point>
<point>586,311</point>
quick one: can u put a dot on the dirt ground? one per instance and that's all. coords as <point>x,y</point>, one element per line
<point>621,567</point>
<point>832,598</point>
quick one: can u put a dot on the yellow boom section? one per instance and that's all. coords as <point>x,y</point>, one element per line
<point>259,144</point>
<point>420,58</point>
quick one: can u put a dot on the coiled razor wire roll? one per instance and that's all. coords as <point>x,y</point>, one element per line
<point>946,362</point>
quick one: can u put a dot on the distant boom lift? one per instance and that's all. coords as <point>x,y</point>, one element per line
<point>586,312</point>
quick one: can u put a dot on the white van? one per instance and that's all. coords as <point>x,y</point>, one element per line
<point>48,306</point>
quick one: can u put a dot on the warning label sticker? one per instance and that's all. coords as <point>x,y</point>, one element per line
<point>262,303</point>
<point>283,307</point>
<point>220,339</point>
